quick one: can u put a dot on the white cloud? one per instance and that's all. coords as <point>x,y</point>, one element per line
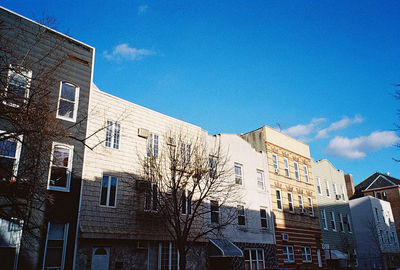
<point>123,51</point>
<point>142,9</point>
<point>341,124</point>
<point>358,147</point>
<point>301,130</point>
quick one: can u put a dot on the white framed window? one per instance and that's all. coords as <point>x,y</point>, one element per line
<point>334,189</point>
<point>278,199</point>
<point>333,221</point>
<point>152,145</point>
<point>319,189</point>
<point>286,167</point>
<point>306,174</point>
<point>254,259</point>
<point>260,179</point>
<point>288,254</point>
<point>306,254</point>
<point>296,170</point>
<point>275,161</point>
<point>55,246</point>
<point>263,218</point>
<point>113,130</point>
<point>301,205</point>
<point>348,223</point>
<point>151,198</point>
<point>214,211</point>
<point>185,152</point>
<point>68,101</point>
<point>212,163</point>
<point>168,256</point>
<point>342,190</point>
<point>323,220</point>
<point>108,192</point>
<point>186,203</point>
<point>241,215</point>
<point>18,84</point>
<point>310,206</point>
<point>290,201</point>
<point>10,151</point>
<point>328,193</point>
<point>238,174</point>
<point>341,224</point>
<point>60,167</point>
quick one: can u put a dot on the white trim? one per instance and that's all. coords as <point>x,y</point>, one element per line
<point>241,173</point>
<point>277,163</point>
<point>262,178</point>
<point>280,194</point>
<point>76,102</point>
<point>334,228</point>
<point>286,168</point>
<point>301,202</point>
<point>296,165</point>
<point>341,222</point>
<point>327,190</point>
<point>324,220</point>
<point>319,185</point>
<point>306,175</point>
<point>17,153</point>
<point>27,74</point>
<point>69,168</point>
<point>290,201</point>
<point>64,248</point>
<point>109,191</point>
<point>380,175</point>
<point>310,202</point>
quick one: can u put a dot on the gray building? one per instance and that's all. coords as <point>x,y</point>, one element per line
<point>334,214</point>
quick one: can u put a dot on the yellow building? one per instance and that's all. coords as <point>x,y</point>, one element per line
<point>297,230</point>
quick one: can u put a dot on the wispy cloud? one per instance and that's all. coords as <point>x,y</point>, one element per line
<point>142,9</point>
<point>302,130</point>
<point>357,148</point>
<point>123,51</point>
<point>341,124</point>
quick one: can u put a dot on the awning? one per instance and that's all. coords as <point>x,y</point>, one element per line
<point>334,254</point>
<point>223,248</point>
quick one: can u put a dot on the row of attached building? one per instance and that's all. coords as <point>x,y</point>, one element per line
<point>293,212</point>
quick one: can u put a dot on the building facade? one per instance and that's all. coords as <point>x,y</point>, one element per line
<point>297,230</point>
<point>375,231</point>
<point>334,215</point>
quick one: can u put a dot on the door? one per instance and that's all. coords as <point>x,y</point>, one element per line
<point>100,258</point>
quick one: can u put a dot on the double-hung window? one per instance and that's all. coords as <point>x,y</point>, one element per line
<point>342,190</point>
<point>310,206</point>
<point>278,199</point>
<point>60,167</point>
<point>241,215</point>
<point>323,220</point>
<point>290,201</point>
<point>260,179</point>
<point>335,190</point>
<point>186,202</point>
<point>348,223</point>
<point>288,254</point>
<point>306,173</point>
<point>286,166</point>
<point>254,259</point>
<point>108,193</point>
<point>68,101</point>
<point>185,152</point>
<point>238,174</point>
<point>151,198</point>
<point>214,211</point>
<point>275,161</point>
<point>296,170</point>
<point>152,145</point>
<point>168,256</point>
<point>113,130</point>
<point>319,189</point>
<point>341,224</point>
<point>333,221</point>
<point>263,218</point>
<point>301,204</point>
<point>212,163</point>
<point>18,84</point>
<point>306,254</point>
<point>55,247</point>
<point>328,193</point>
<point>10,150</point>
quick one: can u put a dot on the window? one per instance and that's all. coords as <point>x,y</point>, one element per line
<point>152,145</point>
<point>310,206</point>
<point>241,215</point>
<point>113,130</point>
<point>263,218</point>
<point>214,211</point>
<point>342,189</point>
<point>286,165</point>
<point>290,201</point>
<point>68,101</point>
<point>212,162</point>
<point>18,83</point>
<point>260,179</point>
<point>382,236</point>
<point>238,174</point>
<point>108,193</point>
<point>327,188</point>
<point>319,190</point>
<point>348,223</point>
<point>278,199</point>
<point>377,214</point>
<point>306,254</point>
<point>341,224</point>
<point>323,219</point>
<point>384,195</point>
<point>378,195</point>
<point>185,152</point>
<point>10,150</point>
<point>393,239</point>
<point>186,202</point>
<point>254,259</point>
<point>60,167</point>
<point>334,189</point>
<point>168,256</point>
<point>151,197</point>
<point>55,247</point>
<point>306,173</point>
<point>301,205</point>
<point>333,221</point>
<point>288,254</point>
<point>387,237</point>
<point>275,161</point>
<point>296,170</point>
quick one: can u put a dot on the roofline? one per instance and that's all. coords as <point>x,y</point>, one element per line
<point>327,160</point>
<point>48,28</point>
<point>264,126</point>
<point>381,188</point>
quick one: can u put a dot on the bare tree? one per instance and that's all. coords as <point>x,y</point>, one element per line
<point>188,186</point>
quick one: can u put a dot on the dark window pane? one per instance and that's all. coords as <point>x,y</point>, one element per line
<point>241,220</point>
<point>263,213</point>
<point>104,189</point>
<point>6,168</point>
<point>66,109</point>
<point>264,223</point>
<point>58,177</point>
<point>8,148</point>
<point>113,190</point>
<point>60,156</point>
<point>68,92</point>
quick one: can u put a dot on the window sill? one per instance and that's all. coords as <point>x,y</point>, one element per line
<point>58,189</point>
<point>72,120</point>
<point>107,206</point>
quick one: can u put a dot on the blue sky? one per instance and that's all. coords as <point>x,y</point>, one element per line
<point>324,71</point>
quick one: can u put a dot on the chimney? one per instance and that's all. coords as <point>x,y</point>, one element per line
<point>348,178</point>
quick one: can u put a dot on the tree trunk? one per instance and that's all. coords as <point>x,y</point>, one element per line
<point>182,258</point>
